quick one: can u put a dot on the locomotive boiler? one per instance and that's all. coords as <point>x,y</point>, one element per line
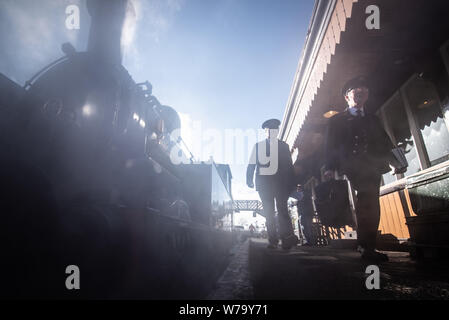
<point>87,180</point>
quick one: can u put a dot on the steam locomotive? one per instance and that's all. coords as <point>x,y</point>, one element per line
<point>86,180</point>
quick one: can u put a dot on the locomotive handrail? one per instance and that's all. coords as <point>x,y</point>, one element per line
<point>29,83</point>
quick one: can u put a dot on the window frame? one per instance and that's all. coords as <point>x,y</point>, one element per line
<point>417,137</point>
<point>418,140</point>
<point>381,114</point>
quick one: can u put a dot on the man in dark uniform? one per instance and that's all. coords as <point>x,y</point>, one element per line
<point>358,146</point>
<point>272,162</point>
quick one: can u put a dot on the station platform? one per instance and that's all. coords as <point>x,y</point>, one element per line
<point>305,273</point>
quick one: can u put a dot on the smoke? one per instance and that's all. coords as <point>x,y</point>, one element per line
<point>32,33</point>
<point>159,16</point>
<point>145,25</point>
<point>148,21</point>
<point>130,24</point>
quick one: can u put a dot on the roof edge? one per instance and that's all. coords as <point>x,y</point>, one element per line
<point>319,23</point>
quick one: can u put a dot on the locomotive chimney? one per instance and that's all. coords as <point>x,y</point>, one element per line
<point>107,22</point>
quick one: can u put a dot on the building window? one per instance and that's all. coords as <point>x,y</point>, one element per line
<point>427,111</point>
<point>397,127</point>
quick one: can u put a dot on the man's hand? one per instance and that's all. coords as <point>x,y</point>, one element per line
<point>250,184</point>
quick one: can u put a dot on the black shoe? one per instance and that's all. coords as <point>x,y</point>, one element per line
<point>374,256</point>
<point>289,242</point>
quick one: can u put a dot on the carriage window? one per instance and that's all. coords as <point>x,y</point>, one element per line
<point>428,111</point>
<point>399,130</point>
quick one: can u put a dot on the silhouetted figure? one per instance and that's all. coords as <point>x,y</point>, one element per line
<point>298,194</point>
<point>274,176</point>
<point>306,212</point>
<point>358,146</point>
<point>293,201</point>
<point>252,230</point>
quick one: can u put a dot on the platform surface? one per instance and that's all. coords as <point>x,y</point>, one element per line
<point>257,272</point>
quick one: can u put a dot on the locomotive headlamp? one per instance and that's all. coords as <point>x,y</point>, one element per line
<point>87,110</point>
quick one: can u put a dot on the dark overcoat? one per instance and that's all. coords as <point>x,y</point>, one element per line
<point>282,179</point>
<point>357,143</point>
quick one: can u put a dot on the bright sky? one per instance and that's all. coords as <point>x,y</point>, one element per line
<point>223,64</point>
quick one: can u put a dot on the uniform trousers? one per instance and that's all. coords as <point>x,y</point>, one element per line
<point>367,184</point>
<point>268,197</point>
